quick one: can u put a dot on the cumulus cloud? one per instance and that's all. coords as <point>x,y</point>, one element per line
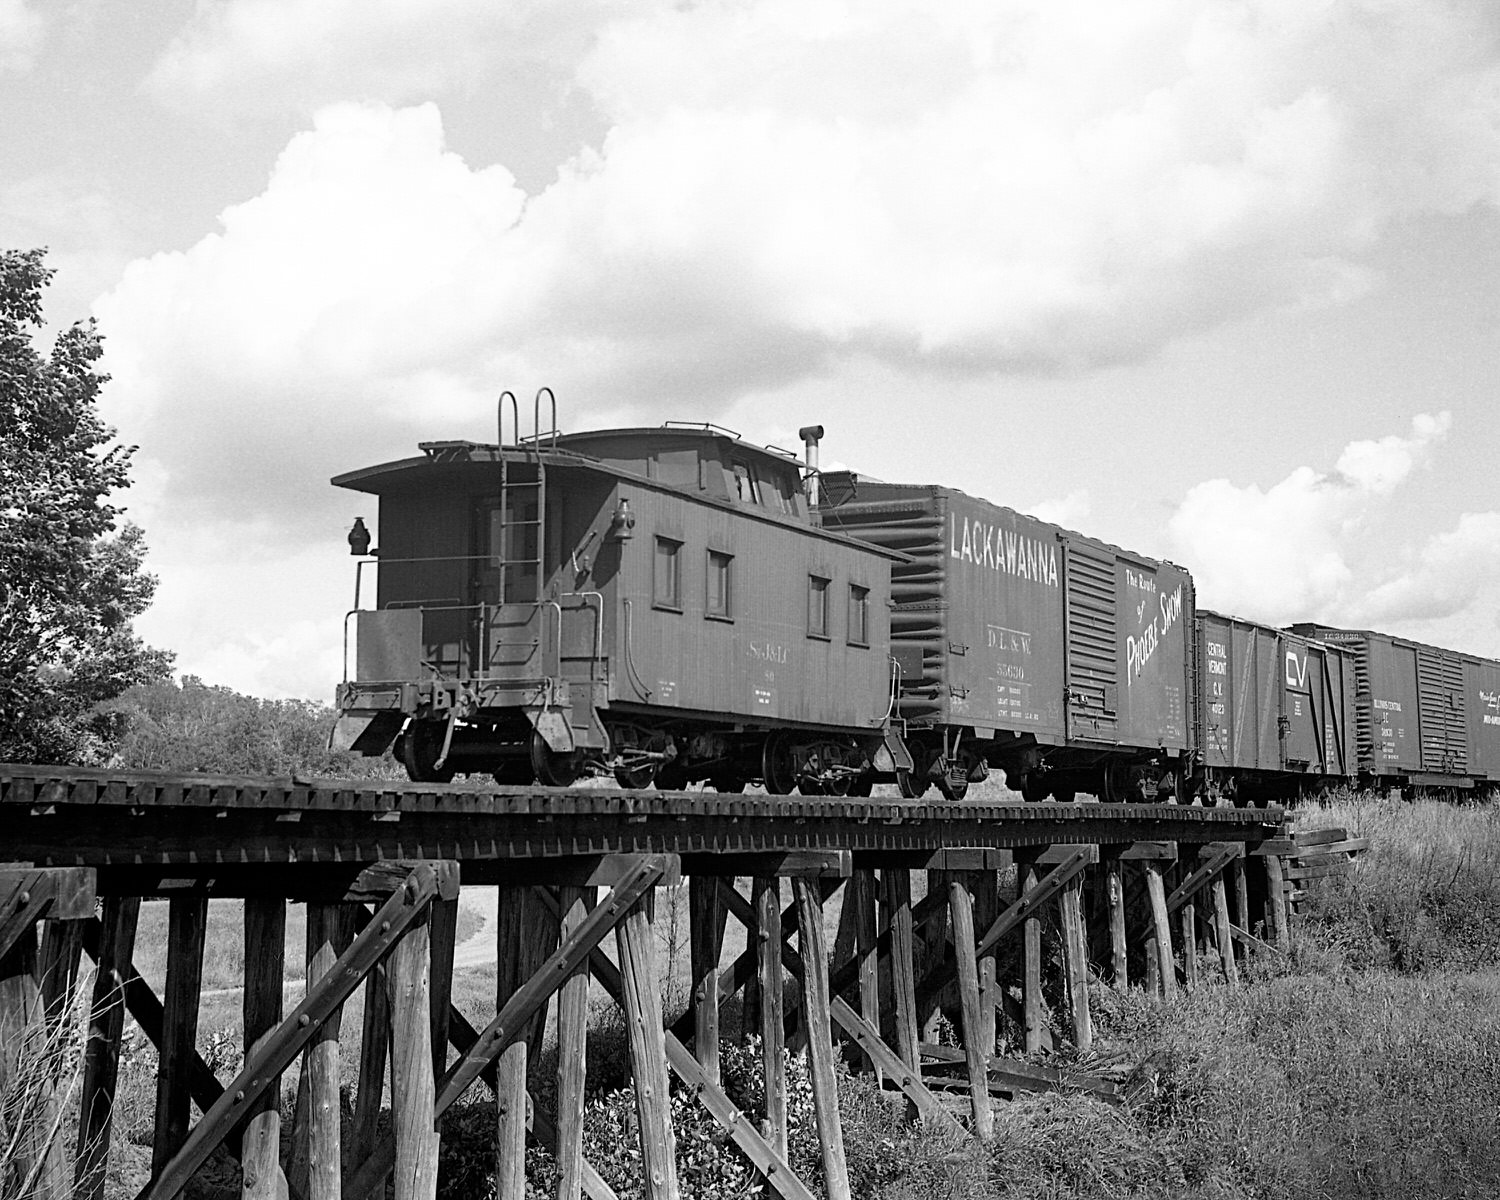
<point>253,55</point>
<point>971,188</point>
<point>1069,511</point>
<point>22,29</point>
<point>1456,570</point>
<point>1283,553</point>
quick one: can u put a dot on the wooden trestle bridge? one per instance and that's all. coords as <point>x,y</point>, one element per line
<point>1144,894</point>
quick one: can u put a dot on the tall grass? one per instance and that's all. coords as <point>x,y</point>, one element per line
<point>1425,896</point>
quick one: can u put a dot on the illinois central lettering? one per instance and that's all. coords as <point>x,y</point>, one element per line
<point>1000,549</point>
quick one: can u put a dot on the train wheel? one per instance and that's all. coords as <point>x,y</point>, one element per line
<point>1034,788</point>
<point>913,784</point>
<point>862,785</point>
<point>953,784</point>
<point>728,784</point>
<point>778,768</point>
<point>421,744</point>
<point>553,768</point>
<point>629,741</point>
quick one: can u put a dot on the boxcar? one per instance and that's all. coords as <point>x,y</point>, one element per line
<point>1055,657</point>
<point>1273,713</point>
<point>1425,717</point>
<point>660,602</point>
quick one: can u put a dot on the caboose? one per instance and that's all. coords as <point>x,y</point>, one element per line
<point>661,603</point>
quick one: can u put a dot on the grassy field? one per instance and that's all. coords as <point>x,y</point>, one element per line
<point>1365,1063</point>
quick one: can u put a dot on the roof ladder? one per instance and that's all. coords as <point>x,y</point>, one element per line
<point>523,503</point>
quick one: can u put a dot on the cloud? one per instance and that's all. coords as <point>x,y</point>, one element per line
<point>1456,570</point>
<point>22,29</point>
<point>254,56</point>
<point>1069,511</point>
<point>1283,554</point>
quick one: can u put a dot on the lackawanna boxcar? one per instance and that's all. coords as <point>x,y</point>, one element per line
<point>1273,713</point>
<point>1058,658</point>
<point>659,602</point>
<point>1425,717</point>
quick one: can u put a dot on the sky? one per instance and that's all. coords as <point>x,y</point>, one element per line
<point>1215,280</point>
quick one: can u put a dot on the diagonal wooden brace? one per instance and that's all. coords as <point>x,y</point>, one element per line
<point>775,1169</point>
<point>462,1037</point>
<point>511,1020</point>
<point>864,1034</point>
<point>144,1005</point>
<point>1224,854</point>
<point>28,894</point>
<point>1047,889</point>
<point>282,1045</point>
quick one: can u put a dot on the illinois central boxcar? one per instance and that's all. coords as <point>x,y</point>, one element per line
<point>1274,712</point>
<point>658,602</point>
<point>1060,659</point>
<point>1425,717</point>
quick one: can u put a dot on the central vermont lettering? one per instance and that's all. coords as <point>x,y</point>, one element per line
<point>1002,549</point>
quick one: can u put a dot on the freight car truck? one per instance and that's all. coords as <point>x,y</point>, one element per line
<point>1274,712</point>
<point>1057,658</point>
<point>1425,717</point>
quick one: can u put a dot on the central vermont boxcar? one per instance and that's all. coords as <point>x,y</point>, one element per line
<point>1274,711</point>
<point>657,602</point>
<point>1058,658</point>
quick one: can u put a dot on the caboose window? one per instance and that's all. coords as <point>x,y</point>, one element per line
<point>717,601</point>
<point>666,591</point>
<point>746,487</point>
<point>859,615</point>
<point>817,606</point>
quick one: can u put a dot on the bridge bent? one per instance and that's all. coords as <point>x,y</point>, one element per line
<point>929,898</point>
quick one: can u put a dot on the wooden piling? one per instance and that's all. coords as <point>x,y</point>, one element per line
<point>187,919</point>
<point>1223,930</point>
<point>1114,884</point>
<point>648,1051</point>
<point>265,952</point>
<point>706,917</point>
<point>765,894</point>
<point>1276,922</point>
<point>328,933</point>
<point>374,1051</point>
<point>1189,921</point>
<point>984,886</point>
<point>22,1055</point>
<point>861,896</point>
<point>961,910</point>
<point>895,886</point>
<point>101,1062</point>
<point>513,929</point>
<point>1034,1014</point>
<point>812,942</point>
<point>1161,929</point>
<point>1241,888</point>
<point>572,1037</point>
<point>1075,961</point>
<point>412,1085</point>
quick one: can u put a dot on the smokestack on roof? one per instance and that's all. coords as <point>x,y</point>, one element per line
<point>811,435</point>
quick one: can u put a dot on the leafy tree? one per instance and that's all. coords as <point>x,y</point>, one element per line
<point>195,727</point>
<point>71,576</point>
